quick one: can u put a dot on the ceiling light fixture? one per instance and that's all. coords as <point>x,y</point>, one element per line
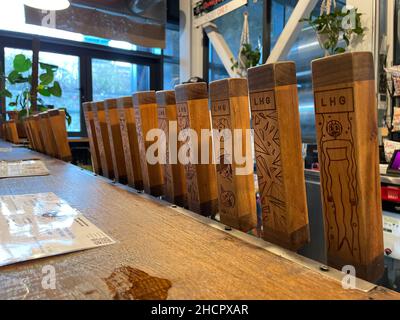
<point>48,4</point>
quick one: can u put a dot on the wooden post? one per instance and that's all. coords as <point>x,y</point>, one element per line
<point>103,139</point>
<point>12,132</point>
<point>28,130</point>
<point>59,132</point>
<point>91,131</point>
<point>230,110</point>
<point>38,128</point>
<point>35,123</point>
<point>47,134</point>
<point>114,132</point>
<point>277,140</point>
<point>201,179</point>
<point>174,173</point>
<point>43,133</point>
<point>346,123</point>
<point>130,142</point>
<point>146,119</point>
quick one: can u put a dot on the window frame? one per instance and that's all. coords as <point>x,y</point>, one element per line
<point>266,42</point>
<point>86,52</point>
<point>168,58</point>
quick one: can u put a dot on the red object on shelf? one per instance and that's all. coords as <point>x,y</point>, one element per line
<point>390,193</point>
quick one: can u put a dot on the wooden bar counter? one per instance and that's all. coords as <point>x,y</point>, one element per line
<point>190,252</point>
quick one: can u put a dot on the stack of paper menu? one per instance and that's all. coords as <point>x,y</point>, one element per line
<point>22,168</point>
<point>41,225</point>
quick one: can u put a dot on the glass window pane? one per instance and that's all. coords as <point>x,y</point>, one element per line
<point>305,49</point>
<point>114,79</point>
<point>172,43</point>
<point>15,89</point>
<point>230,26</point>
<point>217,70</point>
<point>171,60</point>
<point>171,75</point>
<point>68,77</point>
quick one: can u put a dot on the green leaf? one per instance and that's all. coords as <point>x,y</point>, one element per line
<point>47,66</point>
<point>46,78</point>
<point>13,76</point>
<point>340,50</point>
<point>56,90</point>
<point>21,63</point>
<point>5,93</point>
<point>44,92</point>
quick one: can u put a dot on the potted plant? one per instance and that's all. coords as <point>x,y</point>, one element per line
<point>21,76</point>
<point>249,57</point>
<point>333,27</point>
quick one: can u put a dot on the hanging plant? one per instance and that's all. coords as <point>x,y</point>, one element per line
<point>250,57</point>
<point>333,27</point>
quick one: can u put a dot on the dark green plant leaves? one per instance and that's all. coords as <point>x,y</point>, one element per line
<point>330,26</point>
<point>22,63</point>
<point>5,93</point>
<point>44,91</point>
<point>46,66</point>
<point>47,78</point>
<point>55,90</point>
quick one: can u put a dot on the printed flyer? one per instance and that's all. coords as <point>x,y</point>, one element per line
<point>23,168</point>
<point>40,225</point>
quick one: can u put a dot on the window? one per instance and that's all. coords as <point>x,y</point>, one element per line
<point>216,70</point>
<point>68,77</point>
<point>9,54</point>
<point>230,26</point>
<point>90,68</point>
<point>171,59</point>
<point>85,73</point>
<point>114,79</point>
<point>305,49</point>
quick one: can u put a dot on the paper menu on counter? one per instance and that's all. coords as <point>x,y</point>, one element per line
<point>23,168</point>
<point>40,225</point>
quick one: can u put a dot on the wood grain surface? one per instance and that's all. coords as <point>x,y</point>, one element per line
<point>38,141</point>
<point>57,121</point>
<point>91,131</point>
<point>130,141</point>
<point>197,261</point>
<point>39,132</point>
<point>47,134</point>
<point>201,178</point>
<point>146,119</point>
<point>12,132</point>
<point>277,142</point>
<point>103,139</point>
<point>236,192</point>
<point>29,133</point>
<point>346,123</point>
<point>174,173</point>
<point>117,148</point>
